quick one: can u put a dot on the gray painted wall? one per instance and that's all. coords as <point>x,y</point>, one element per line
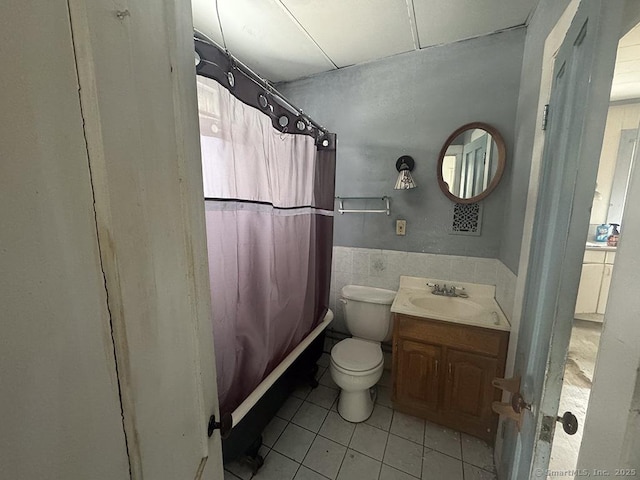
<point>516,179</point>
<point>409,104</point>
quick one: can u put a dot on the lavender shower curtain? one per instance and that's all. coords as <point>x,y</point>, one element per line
<point>269,216</point>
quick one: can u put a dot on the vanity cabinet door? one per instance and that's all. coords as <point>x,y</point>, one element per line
<point>468,392</point>
<point>442,372</point>
<point>417,374</point>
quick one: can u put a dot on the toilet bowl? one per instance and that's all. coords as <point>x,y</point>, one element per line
<point>356,366</point>
<point>357,363</point>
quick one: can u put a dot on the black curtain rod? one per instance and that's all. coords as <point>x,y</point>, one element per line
<point>259,80</point>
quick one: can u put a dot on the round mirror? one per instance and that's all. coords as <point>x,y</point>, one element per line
<point>471,163</point>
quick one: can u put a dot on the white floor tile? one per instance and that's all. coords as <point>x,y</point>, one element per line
<point>343,450</point>
<point>407,426</point>
<point>442,439</point>
<point>389,473</point>
<point>240,469</point>
<point>369,440</point>
<point>327,381</point>
<point>358,466</point>
<point>323,396</point>
<point>337,429</point>
<point>289,408</point>
<point>471,472</point>
<point>301,391</point>
<point>324,360</point>
<point>307,474</point>
<point>263,451</point>
<point>277,467</point>
<point>477,452</point>
<point>325,457</point>
<point>384,396</point>
<point>385,380</point>
<point>272,431</point>
<point>404,455</point>
<point>230,476</point>
<point>380,418</point>
<point>310,416</point>
<point>438,466</point>
<point>294,442</point>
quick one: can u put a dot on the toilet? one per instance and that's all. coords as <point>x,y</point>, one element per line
<point>357,362</point>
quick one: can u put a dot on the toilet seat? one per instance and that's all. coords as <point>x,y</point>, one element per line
<point>354,356</point>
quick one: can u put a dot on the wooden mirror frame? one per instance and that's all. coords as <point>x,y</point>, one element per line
<point>502,158</point>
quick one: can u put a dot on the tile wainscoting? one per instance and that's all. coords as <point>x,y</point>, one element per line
<point>382,268</point>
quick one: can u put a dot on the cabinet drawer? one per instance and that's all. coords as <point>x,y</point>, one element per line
<point>464,337</point>
<point>594,256</point>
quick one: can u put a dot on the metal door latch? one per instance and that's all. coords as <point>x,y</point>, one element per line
<point>569,425</point>
<point>224,425</point>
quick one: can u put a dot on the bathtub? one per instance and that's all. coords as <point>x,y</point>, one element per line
<point>242,433</point>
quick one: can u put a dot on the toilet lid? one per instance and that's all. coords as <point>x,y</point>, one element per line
<point>356,355</point>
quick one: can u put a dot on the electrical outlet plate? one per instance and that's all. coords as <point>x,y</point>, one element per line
<point>401,227</point>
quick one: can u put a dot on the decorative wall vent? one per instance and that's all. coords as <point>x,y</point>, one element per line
<point>467,219</point>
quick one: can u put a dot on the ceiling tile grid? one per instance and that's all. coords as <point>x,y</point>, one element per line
<point>284,40</point>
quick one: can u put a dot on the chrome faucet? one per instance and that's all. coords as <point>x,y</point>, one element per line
<point>452,291</point>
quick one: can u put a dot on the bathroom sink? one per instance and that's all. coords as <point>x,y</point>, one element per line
<point>480,308</point>
<point>448,306</point>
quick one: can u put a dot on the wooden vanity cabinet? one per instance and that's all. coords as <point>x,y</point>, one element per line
<point>442,372</point>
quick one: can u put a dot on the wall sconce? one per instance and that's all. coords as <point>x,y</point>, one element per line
<point>404,165</point>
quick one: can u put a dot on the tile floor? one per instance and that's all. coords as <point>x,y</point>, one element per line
<point>308,440</point>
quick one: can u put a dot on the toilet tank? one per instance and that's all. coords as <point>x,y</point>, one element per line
<point>368,312</point>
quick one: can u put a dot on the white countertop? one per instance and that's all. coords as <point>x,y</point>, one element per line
<point>480,309</point>
<point>600,246</point>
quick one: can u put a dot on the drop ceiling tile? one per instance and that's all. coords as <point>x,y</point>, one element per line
<point>626,77</point>
<point>632,37</point>
<point>205,20</point>
<point>628,66</point>
<point>263,36</point>
<point>441,22</point>
<point>628,53</point>
<point>353,31</point>
<point>628,91</point>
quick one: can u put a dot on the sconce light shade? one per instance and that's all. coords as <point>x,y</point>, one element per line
<point>405,181</point>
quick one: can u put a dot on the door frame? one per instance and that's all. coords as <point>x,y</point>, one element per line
<point>592,136</point>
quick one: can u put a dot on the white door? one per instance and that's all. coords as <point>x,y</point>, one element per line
<point>106,347</point>
<point>578,106</point>
<point>474,157</point>
<point>60,413</point>
<point>137,87</point>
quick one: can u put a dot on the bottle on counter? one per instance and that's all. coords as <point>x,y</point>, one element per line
<point>602,232</point>
<point>612,241</point>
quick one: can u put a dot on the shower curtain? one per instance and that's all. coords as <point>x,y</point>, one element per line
<point>269,198</point>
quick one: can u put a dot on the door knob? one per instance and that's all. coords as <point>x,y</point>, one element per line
<point>514,409</point>
<point>224,425</point>
<point>569,423</point>
<point>518,404</point>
